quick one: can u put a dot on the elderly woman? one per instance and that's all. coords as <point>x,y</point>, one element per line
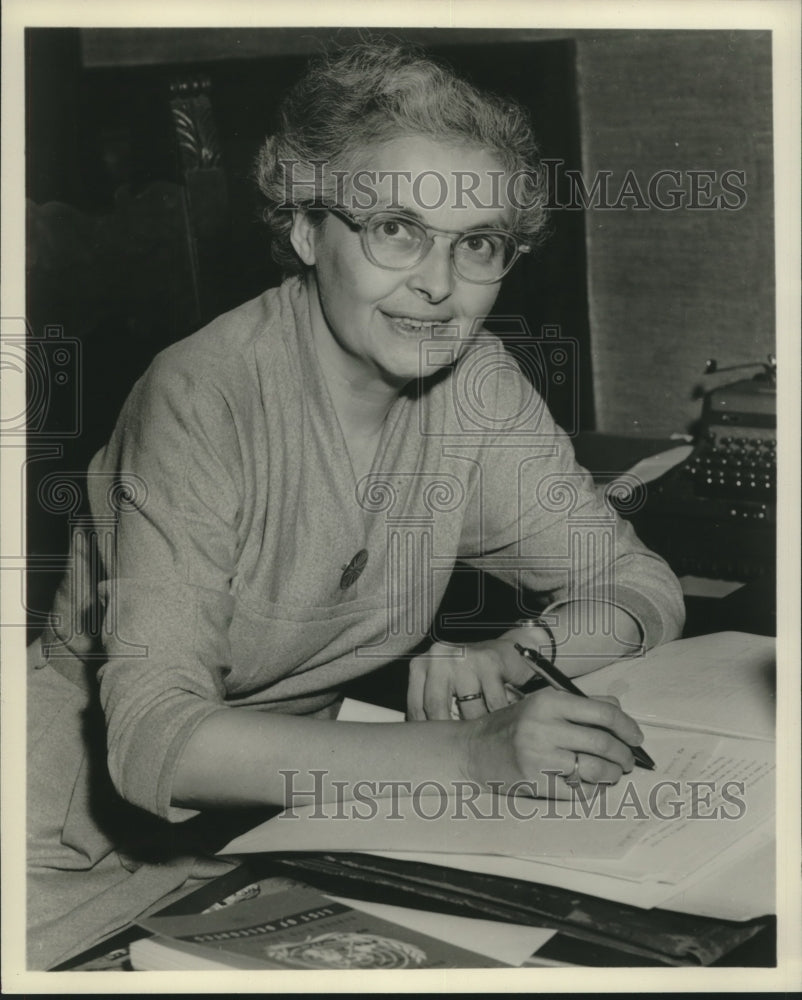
<point>303,474</point>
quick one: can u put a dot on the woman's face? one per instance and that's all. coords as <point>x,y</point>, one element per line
<point>377,324</point>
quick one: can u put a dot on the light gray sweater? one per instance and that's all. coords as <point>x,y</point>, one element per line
<point>226,585</point>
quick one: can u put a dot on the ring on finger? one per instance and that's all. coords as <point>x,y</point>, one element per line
<point>572,778</point>
<point>469,697</point>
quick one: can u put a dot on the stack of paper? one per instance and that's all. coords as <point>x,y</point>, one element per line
<point>678,837</point>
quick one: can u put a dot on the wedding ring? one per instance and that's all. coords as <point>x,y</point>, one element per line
<point>469,697</point>
<point>573,778</point>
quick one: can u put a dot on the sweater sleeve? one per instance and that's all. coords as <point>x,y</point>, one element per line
<point>166,591</point>
<point>545,527</point>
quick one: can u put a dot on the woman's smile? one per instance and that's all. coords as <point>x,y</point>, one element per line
<point>415,326</point>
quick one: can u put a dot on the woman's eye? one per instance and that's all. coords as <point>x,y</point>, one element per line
<point>480,246</point>
<point>394,227</point>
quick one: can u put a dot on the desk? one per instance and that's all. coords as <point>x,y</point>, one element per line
<point>749,608</point>
<point>522,893</point>
<point>758,951</point>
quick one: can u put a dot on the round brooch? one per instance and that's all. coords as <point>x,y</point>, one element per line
<point>353,571</point>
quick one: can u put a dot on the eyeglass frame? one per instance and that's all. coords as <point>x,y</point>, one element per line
<point>362,226</point>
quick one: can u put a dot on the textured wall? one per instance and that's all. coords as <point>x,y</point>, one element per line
<point>667,289</point>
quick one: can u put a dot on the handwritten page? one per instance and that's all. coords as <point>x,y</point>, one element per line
<point>711,816</point>
<point>721,683</point>
<point>736,881</point>
<point>690,863</point>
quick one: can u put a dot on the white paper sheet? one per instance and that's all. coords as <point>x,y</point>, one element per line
<point>511,943</point>
<point>669,850</point>
<point>735,883</point>
<point>675,851</point>
<point>701,874</point>
<point>721,683</point>
<point>704,586</point>
<point>738,885</point>
<point>352,710</point>
<point>653,466</point>
<point>484,823</point>
<point>431,823</point>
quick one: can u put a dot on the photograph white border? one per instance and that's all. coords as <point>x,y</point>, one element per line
<point>782,18</point>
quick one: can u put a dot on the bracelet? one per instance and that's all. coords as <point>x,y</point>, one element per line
<point>539,623</point>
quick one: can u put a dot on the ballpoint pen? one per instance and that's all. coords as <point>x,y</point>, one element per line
<point>557,679</point>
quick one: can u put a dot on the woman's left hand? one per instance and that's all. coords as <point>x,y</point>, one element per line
<point>477,672</point>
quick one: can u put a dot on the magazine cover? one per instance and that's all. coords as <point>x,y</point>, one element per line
<point>300,929</point>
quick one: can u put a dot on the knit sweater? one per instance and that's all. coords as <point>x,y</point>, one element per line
<point>226,588</point>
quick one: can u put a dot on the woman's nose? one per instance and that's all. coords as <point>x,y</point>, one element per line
<point>433,276</point>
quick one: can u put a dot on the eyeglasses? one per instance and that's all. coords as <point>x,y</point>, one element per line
<point>397,242</point>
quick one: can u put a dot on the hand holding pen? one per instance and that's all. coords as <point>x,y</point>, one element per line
<point>542,668</point>
<point>526,743</point>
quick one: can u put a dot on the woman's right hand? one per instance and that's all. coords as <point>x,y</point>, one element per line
<point>547,737</point>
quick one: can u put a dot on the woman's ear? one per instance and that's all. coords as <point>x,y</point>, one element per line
<point>302,236</point>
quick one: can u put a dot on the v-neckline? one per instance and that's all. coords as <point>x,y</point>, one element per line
<point>320,400</point>
<point>365,471</point>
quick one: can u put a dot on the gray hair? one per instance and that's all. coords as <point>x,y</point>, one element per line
<point>373,92</point>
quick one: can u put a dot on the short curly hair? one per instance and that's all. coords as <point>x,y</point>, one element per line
<point>376,91</point>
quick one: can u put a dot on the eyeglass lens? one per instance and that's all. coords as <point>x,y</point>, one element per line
<point>396,242</point>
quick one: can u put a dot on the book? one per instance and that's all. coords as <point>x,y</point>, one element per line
<point>294,928</point>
